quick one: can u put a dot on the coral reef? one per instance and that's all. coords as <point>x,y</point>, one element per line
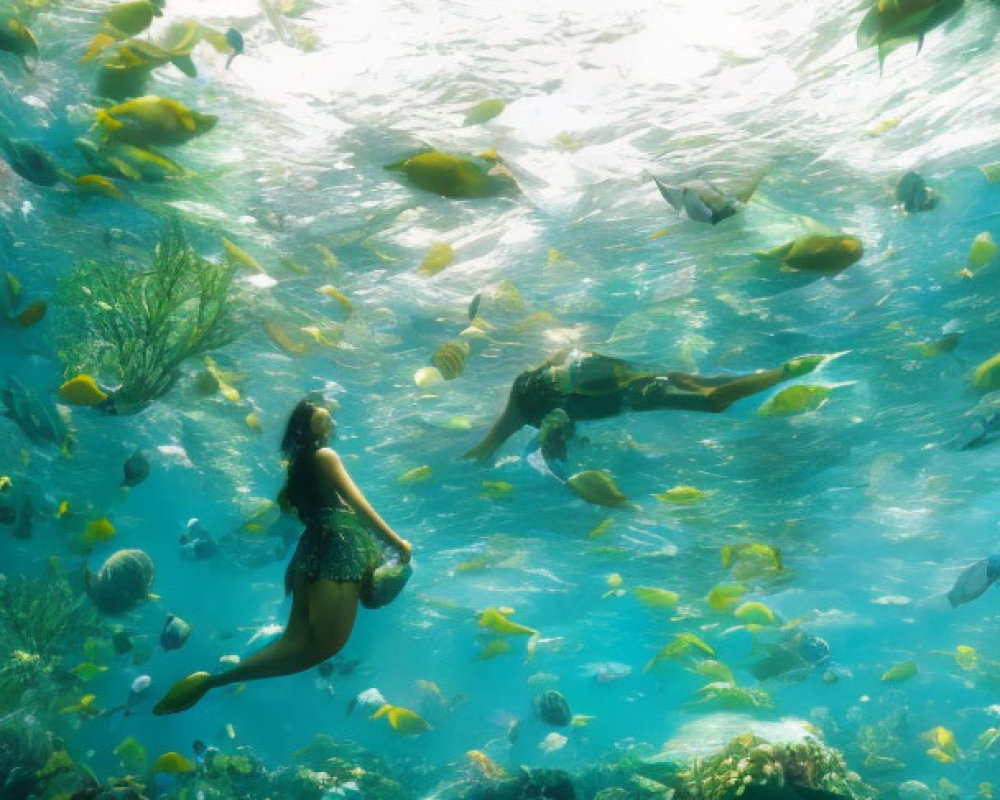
<point>748,759</point>
<point>139,324</point>
<point>529,784</point>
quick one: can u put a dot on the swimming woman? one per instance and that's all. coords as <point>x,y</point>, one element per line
<point>588,385</point>
<point>336,565</point>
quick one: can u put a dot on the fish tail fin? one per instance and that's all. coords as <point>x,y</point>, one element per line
<point>184,63</point>
<point>103,119</point>
<point>97,44</point>
<point>396,166</point>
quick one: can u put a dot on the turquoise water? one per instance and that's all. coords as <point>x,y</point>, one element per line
<point>873,514</point>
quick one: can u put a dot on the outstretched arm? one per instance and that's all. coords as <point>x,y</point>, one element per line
<point>337,480</point>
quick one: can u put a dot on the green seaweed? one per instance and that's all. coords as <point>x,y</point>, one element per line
<point>42,616</point>
<point>140,323</point>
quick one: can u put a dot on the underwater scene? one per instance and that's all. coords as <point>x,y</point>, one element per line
<point>499,401</point>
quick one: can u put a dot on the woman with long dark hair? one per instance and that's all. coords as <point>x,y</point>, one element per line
<point>336,565</point>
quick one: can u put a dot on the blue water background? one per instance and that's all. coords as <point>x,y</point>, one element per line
<point>861,496</point>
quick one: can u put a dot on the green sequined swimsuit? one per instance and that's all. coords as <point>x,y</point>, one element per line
<point>335,546</point>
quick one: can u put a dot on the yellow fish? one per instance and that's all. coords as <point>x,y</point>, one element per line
<point>484,111</point>
<point>57,763</point>
<point>328,338</point>
<point>87,671</point>
<point>986,378</point>
<point>725,596</point>
<point>82,390</point>
<point>488,768</point>
<point>656,598</point>
<point>98,530</point>
<point>684,646</point>
<point>944,747</point>
<point>900,672</point>
<point>966,657</point>
<point>682,495</point>
<point>473,564</point>
<point>237,255</point>
<point>495,490</point>
<point>938,347</point>
<point>794,400</point>
<point>493,620</point>
<point>329,259</point>
<point>597,487</point>
<point>98,185</point>
<point>172,763</point>
<point>600,529</point>
<point>84,707</point>
<point>428,377</point>
<point>615,582</point>
<point>132,755</point>
<point>438,257</point>
<point>751,555</point>
<point>416,475</point>
<point>253,423</point>
<point>456,176</point>
<point>403,721</point>
<point>283,339</point>
<point>335,294</point>
<point>152,120</point>
<point>32,313</point>
<point>714,671</point>
<point>991,172</point>
<point>755,613</point>
<point>450,359</point>
<point>494,648</point>
<point>433,690</point>
<point>221,379</point>
<point>981,253</point>
<point>815,252</point>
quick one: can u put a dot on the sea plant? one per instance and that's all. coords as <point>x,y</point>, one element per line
<point>749,760</point>
<point>138,323</point>
<point>41,616</point>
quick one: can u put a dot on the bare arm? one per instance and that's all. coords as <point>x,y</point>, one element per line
<point>337,480</point>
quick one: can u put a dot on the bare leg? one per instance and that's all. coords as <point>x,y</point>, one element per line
<point>509,423</point>
<point>322,617</point>
<point>694,393</point>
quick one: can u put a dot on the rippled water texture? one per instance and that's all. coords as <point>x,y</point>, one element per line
<point>873,514</point>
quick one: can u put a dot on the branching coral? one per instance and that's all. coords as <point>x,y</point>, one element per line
<point>140,323</point>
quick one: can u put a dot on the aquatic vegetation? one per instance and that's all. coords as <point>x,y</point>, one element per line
<point>750,760</point>
<point>139,324</point>
<point>25,748</point>
<point>43,615</point>
<point>529,784</point>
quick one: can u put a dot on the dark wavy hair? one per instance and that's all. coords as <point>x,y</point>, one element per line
<point>298,445</point>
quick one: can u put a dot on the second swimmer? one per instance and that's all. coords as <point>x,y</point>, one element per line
<point>584,385</point>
